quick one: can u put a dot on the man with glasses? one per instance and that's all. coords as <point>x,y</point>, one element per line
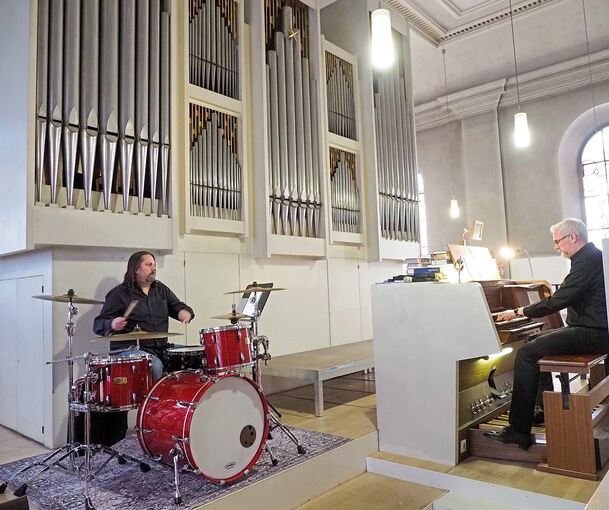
<point>582,293</point>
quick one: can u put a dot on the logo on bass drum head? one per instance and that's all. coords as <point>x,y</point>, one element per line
<point>229,466</point>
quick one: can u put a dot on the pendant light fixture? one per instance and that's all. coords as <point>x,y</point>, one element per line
<point>522,136</point>
<point>455,212</point>
<point>382,39</point>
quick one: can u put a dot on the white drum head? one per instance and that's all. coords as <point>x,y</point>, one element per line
<point>227,428</point>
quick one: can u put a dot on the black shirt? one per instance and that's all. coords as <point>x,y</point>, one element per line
<point>582,292</point>
<point>151,313</point>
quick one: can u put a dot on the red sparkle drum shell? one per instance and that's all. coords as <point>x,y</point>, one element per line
<point>226,347</point>
<point>220,423</point>
<point>120,382</point>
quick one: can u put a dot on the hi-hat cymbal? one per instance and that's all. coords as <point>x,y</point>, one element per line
<point>233,316</point>
<point>65,298</point>
<point>254,289</point>
<point>134,335</point>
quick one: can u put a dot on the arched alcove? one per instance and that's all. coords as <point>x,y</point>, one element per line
<point>569,153</point>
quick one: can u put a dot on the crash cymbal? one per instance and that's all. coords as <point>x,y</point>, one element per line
<point>233,316</point>
<point>65,298</point>
<point>134,335</point>
<point>254,289</point>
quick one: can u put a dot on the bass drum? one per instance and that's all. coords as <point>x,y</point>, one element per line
<point>219,423</point>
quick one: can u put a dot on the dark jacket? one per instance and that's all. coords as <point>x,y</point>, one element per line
<point>582,292</point>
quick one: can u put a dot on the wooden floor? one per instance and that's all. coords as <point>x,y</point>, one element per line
<point>374,492</point>
<point>350,404</point>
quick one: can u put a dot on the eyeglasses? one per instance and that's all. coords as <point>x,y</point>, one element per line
<point>557,241</point>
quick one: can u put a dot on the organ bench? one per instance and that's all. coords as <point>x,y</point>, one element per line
<point>571,448</point>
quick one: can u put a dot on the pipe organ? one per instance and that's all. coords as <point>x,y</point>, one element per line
<point>104,130</point>
<point>215,169</point>
<point>103,103</point>
<point>395,149</point>
<point>344,192</point>
<point>292,109</point>
<point>340,95</point>
<point>213,31</point>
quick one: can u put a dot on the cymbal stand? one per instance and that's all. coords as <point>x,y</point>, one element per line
<point>261,353</point>
<point>71,450</point>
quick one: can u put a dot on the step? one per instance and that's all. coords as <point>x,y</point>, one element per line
<point>486,493</point>
<point>307,480</point>
<point>456,501</point>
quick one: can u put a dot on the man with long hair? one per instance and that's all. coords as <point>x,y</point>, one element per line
<point>155,304</point>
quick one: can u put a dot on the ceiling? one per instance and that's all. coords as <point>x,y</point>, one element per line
<point>478,39</point>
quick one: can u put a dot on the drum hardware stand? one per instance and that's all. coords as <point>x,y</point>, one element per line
<point>72,449</point>
<point>274,414</point>
<point>176,453</point>
<point>69,449</point>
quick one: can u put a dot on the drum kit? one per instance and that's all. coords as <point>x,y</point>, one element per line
<point>208,414</point>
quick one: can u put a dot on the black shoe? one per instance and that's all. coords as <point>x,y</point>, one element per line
<point>510,436</point>
<point>538,416</point>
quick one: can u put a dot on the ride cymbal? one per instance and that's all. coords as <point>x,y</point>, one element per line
<point>233,316</point>
<point>254,289</point>
<point>134,335</point>
<point>66,298</point>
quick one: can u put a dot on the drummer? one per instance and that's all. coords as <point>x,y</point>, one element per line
<point>154,304</point>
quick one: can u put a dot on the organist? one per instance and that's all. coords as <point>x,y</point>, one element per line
<point>582,293</point>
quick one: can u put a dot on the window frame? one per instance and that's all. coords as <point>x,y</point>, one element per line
<point>580,180</point>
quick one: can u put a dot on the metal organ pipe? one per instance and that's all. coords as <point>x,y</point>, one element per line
<point>41,93</point>
<point>89,98</point>
<point>397,185</point>
<point>71,93</point>
<point>54,83</point>
<point>108,93</point>
<point>126,106</point>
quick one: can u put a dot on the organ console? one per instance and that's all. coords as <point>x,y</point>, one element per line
<point>444,374</point>
<point>444,367</point>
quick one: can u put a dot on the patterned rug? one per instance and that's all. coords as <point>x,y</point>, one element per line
<point>125,486</point>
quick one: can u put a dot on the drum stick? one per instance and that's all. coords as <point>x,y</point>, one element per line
<point>130,308</point>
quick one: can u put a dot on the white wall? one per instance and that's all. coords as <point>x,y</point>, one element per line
<point>534,195</point>
<point>487,165</point>
<point>440,163</point>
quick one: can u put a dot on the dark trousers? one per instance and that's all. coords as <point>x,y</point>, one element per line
<point>527,378</point>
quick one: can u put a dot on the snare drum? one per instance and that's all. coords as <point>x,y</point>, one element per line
<point>226,347</point>
<point>118,383</point>
<point>182,358</point>
<point>219,423</point>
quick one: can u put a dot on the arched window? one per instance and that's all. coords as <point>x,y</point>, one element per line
<point>595,179</point>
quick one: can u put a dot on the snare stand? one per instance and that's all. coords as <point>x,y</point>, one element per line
<point>259,342</point>
<point>71,450</point>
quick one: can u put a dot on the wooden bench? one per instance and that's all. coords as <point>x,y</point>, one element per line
<point>570,417</point>
<point>319,365</point>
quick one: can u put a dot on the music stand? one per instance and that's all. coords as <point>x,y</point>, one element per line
<point>252,304</point>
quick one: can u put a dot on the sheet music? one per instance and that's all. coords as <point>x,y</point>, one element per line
<point>477,260</point>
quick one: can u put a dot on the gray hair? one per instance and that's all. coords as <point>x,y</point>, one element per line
<point>571,226</point>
